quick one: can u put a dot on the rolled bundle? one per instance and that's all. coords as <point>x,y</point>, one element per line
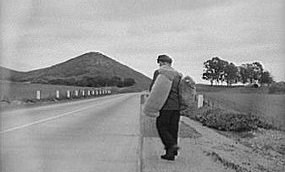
<point>158,96</point>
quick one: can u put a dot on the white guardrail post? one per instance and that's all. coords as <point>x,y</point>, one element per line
<point>57,94</point>
<point>38,95</point>
<point>95,92</point>
<point>68,94</point>
<point>200,100</point>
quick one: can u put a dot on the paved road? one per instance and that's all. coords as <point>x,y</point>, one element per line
<point>109,134</point>
<point>101,134</point>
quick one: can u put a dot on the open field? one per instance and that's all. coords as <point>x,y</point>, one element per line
<point>269,106</point>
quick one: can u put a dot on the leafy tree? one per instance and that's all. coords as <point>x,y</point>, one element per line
<point>243,74</point>
<point>126,82</point>
<point>214,70</point>
<point>257,70</point>
<point>231,74</point>
<point>251,72</point>
<point>208,75</point>
<point>100,81</point>
<point>88,81</point>
<point>266,78</point>
<point>57,82</point>
<point>36,81</point>
<point>70,81</point>
<point>129,82</point>
<point>115,80</point>
<point>220,70</point>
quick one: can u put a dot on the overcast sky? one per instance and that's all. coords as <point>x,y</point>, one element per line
<point>41,33</point>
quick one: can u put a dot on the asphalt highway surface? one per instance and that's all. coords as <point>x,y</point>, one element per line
<point>101,134</point>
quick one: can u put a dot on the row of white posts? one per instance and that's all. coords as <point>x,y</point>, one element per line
<point>83,93</point>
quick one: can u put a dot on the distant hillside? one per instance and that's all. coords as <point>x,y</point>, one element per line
<point>89,65</point>
<point>8,74</point>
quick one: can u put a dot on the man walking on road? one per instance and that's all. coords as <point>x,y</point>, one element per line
<point>167,122</point>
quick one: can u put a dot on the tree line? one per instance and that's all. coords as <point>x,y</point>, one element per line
<point>88,81</point>
<point>219,71</point>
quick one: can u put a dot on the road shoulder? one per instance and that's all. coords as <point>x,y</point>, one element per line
<point>203,149</point>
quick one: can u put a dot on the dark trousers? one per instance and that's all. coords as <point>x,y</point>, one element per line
<point>167,126</point>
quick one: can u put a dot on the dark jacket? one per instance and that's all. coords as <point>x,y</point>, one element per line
<point>172,102</point>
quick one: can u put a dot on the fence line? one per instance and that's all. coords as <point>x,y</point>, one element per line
<point>78,93</point>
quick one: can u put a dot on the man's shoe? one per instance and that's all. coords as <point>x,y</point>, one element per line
<point>176,153</point>
<point>173,150</point>
<point>168,157</point>
<point>171,153</point>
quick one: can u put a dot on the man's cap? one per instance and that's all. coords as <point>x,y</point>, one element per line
<point>164,58</point>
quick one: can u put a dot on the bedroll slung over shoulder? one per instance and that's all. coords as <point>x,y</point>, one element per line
<point>158,96</point>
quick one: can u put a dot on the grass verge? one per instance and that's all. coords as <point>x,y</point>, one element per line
<point>226,120</point>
